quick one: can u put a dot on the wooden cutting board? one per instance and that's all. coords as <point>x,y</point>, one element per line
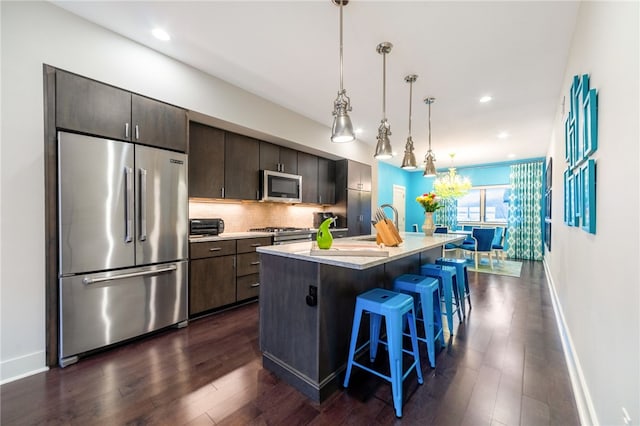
<point>363,250</point>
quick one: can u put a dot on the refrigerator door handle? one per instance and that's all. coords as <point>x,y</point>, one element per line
<point>88,280</point>
<point>128,204</point>
<point>143,204</point>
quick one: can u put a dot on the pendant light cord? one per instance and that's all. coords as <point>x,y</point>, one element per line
<point>341,87</point>
<point>410,96</point>
<point>384,85</point>
<point>430,126</point>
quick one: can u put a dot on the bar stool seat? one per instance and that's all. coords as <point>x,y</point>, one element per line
<point>448,284</point>
<point>426,297</point>
<point>394,307</point>
<point>462,274</point>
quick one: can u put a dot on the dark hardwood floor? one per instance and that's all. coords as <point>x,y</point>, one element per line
<point>504,366</point>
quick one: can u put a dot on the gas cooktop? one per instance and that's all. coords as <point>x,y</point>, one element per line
<point>279,229</point>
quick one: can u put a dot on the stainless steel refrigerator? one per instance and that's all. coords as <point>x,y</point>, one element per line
<point>123,235</point>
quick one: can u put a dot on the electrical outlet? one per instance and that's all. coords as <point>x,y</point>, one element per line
<point>626,418</point>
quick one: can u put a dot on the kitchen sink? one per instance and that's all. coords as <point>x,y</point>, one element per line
<point>366,238</point>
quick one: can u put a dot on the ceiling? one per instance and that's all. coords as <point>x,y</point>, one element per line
<point>288,53</point>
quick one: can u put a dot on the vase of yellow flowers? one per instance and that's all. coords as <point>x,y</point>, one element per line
<point>430,204</point>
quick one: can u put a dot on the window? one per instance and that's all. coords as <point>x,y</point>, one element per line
<point>490,204</point>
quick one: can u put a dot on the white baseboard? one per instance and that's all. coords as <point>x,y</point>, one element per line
<point>23,366</point>
<point>586,410</point>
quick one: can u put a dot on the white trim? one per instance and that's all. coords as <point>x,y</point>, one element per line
<point>23,366</point>
<point>584,403</point>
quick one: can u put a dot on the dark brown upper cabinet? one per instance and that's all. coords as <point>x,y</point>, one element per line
<point>95,108</point>
<point>242,167</point>
<point>90,107</point>
<point>206,161</point>
<point>308,169</point>
<point>326,181</point>
<point>278,158</point>
<point>158,124</point>
<point>358,176</point>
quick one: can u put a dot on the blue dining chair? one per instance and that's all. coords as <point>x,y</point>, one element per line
<point>498,242</point>
<point>482,241</point>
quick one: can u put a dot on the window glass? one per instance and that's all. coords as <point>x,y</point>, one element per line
<point>469,207</point>
<point>484,205</point>
<point>496,209</point>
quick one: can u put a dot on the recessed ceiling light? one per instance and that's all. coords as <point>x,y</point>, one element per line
<point>161,34</point>
<point>503,135</point>
<point>485,99</point>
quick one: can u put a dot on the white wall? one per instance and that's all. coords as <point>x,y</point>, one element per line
<point>33,33</point>
<point>596,277</point>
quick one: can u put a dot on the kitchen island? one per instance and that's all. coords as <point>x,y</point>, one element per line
<point>307,303</point>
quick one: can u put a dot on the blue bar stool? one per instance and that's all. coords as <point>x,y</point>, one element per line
<point>426,294</point>
<point>394,307</point>
<point>463,277</point>
<point>448,283</point>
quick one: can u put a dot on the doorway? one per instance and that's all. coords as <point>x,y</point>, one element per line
<point>399,195</point>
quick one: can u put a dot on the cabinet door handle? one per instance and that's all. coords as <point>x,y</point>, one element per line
<point>126,130</point>
<point>256,245</point>
<point>215,249</point>
<point>319,199</point>
<point>222,192</point>
<point>255,263</point>
<point>255,285</point>
<point>137,132</point>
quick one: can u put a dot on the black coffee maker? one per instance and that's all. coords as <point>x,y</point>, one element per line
<point>319,217</point>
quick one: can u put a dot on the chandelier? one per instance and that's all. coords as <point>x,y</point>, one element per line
<point>451,185</point>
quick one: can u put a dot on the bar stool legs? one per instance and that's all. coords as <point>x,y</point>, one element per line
<point>394,307</point>
<point>446,275</point>
<point>426,294</point>
<point>462,274</point>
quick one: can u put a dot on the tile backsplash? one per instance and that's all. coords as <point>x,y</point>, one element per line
<point>241,216</point>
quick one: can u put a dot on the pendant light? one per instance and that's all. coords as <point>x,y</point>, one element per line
<point>383,147</point>
<point>342,129</point>
<point>409,159</point>
<point>430,158</point>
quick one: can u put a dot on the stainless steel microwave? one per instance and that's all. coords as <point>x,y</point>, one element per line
<point>281,187</point>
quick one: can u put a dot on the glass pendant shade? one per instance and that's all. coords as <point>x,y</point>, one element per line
<point>342,129</point>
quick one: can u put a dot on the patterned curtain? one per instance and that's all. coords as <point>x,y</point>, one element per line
<point>524,232</point>
<point>448,216</point>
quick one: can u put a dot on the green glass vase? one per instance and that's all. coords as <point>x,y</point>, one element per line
<point>324,237</point>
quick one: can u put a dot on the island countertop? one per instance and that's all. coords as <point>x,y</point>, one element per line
<point>413,242</point>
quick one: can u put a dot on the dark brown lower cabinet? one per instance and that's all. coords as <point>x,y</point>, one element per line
<point>212,283</point>
<point>223,272</point>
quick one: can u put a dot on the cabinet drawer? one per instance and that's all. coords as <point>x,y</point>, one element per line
<point>247,245</point>
<point>212,249</point>
<point>248,286</point>
<point>248,263</point>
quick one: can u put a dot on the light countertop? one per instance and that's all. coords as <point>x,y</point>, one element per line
<point>413,242</point>
<point>230,236</point>
<point>248,234</point>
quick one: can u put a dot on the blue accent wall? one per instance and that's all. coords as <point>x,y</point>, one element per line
<point>388,175</point>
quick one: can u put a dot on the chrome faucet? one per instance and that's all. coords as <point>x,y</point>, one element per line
<point>395,214</point>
